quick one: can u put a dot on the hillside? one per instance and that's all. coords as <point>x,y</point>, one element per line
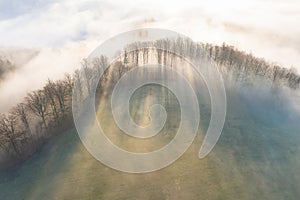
<point>254,159</point>
<point>257,156</point>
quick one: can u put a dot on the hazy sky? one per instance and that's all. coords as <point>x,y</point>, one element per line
<point>66,31</point>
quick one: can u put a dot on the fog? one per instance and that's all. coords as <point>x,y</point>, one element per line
<point>48,63</point>
<point>64,32</point>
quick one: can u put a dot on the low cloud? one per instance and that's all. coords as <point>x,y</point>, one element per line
<point>64,32</point>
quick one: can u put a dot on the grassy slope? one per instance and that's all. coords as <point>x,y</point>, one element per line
<point>252,160</point>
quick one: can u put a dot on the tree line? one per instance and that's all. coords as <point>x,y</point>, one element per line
<point>28,125</point>
<point>242,65</point>
<point>48,111</point>
<point>43,113</point>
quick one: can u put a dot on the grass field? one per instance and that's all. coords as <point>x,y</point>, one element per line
<point>254,159</point>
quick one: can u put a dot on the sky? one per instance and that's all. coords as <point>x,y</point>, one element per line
<point>65,31</point>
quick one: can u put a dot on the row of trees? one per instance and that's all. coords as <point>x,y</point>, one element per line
<point>29,124</point>
<point>243,65</point>
<point>44,113</point>
<point>246,66</point>
<point>47,111</point>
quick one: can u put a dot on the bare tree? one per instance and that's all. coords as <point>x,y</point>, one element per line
<point>61,91</point>
<point>78,87</point>
<point>120,69</point>
<point>4,141</point>
<point>50,91</point>
<point>88,75</point>
<point>37,103</point>
<point>69,82</point>
<point>100,63</point>
<point>7,127</point>
<point>21,112</point>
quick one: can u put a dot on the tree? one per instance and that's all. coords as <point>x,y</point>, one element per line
<point>50,91</point>
<point>78,87</point>
<point>7,128</point>
<point>88,75</point>
<point>37,102</point>
<point>69,82</point>
<point>120,69</point>
<point>61,91</point>
<point>4,140</point>
<point>21,112</point>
